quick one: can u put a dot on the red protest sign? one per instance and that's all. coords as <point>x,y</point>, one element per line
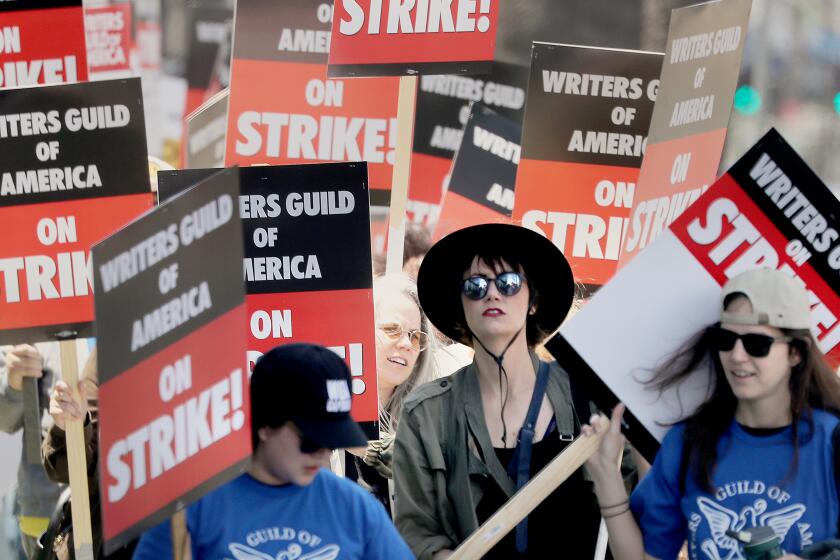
<point>41,43</point>
<point>63,188</point>
<point>768,211</point>
<point>173,398</point>
<point>688,127</point>
<point>283,109</point>
<point>586,119</point>
<point>109,41</point>
<point>393,37</point>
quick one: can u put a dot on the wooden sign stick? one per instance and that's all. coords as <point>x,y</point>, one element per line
<point>181,547</point>
<point>76,460</point>
<point>402,173</point>
<point>529,497</point>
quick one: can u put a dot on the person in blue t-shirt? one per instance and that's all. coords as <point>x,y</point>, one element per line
<point>288,505</point>
<point>759,452</point>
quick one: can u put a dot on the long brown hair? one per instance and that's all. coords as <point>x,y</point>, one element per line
<point>813,385</point>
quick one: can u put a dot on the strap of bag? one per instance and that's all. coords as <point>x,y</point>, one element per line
<point>519,468</point>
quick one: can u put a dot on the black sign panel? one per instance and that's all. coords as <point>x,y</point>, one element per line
<point>72,141</point>
<point>15,5</point>
<point>443,105</point>
<point>485,167</point>
<point>291,212</point>
<point>168,273</point>
<point>210,25</point>
<point>301,35</point>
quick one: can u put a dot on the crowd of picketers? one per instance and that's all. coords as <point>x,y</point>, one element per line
<point>471,408</point>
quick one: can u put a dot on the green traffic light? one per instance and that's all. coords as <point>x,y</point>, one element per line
<point>837,102</point>
<point>748,100</point>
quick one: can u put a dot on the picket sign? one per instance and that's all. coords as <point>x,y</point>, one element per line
<point>31,421</point>
<point>76,460</point>
<point>529,497</point>
<point>181,547</point>
<point>406,108</point>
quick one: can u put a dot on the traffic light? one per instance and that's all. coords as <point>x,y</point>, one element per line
<point>748,100</point>
<point>837,102</point>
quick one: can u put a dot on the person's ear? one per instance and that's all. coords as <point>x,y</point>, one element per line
<point>263,433</point>
<point>794,356</point>
<point>532,310</point>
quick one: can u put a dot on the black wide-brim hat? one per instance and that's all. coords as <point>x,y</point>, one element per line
<point>442,269</point>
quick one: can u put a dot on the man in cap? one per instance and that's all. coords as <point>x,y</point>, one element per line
<point>288,505</point>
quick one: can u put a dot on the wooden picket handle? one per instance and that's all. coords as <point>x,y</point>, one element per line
<point>529,497</point>
<point>181,547</point>
<point>402,173</point>
<point>74,433</point>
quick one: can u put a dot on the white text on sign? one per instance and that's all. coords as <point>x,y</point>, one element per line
<point>416,16</point>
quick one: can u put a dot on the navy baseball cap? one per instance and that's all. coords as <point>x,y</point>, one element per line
<point>311,386</point>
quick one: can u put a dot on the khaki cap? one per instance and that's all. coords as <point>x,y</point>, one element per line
<point>777,300</point>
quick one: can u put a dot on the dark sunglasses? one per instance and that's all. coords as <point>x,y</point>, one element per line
<point>756,345</point>
<point>507,283</point>
<point>394,331</point>
<point>307,445</point>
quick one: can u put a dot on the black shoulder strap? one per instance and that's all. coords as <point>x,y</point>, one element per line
<point>580,402</point>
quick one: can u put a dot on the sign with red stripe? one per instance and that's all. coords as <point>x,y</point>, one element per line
<point>769,210</point>
<point>394,37</point>
<point>173,399</point>
<point>62,188</point>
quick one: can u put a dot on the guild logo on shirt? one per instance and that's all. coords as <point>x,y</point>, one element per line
<point>338,393</point>
<point>756,514</point>
<point>294,552</point>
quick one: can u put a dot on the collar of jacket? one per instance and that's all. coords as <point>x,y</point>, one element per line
<point>557,394</point>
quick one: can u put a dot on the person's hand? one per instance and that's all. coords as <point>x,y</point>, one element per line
<point>23,360</point>
<point>379,455</point>
<point>607,457</point>
<point>64,407</point>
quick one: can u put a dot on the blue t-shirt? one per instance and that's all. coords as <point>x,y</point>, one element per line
<point>331,518</point>
<point>753,487</point>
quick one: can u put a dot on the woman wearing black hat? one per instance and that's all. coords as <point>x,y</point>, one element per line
<point>466,443</point>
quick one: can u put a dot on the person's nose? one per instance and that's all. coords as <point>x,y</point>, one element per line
<point>493,292</point>
<point>738,352</point>
<point>404,340</point>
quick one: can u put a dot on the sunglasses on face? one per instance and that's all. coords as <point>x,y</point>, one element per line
<point>307,446</point>
<point>394,331</point>
<point>756,345</point>
<point>507,283</point>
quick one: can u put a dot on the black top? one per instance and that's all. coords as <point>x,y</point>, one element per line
<point>565,523</point>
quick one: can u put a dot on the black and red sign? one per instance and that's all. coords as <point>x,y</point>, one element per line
<point>284,110</point>
<point>210,24</point>
<point>41,42</point>
<point>482,186</point>
<point>394,37</point>
<point>688,128</point>
<point>63,187</point>
<point>443,107</point>
<point>585,132</point>
<point>109,38</point>
<point>173,397</point>
<point>307,264</point>
<point>770,210</point>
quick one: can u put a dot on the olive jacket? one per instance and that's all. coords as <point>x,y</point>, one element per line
<point>444,458</point>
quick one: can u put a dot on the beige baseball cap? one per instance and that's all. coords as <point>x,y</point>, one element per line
<point>777,300</point>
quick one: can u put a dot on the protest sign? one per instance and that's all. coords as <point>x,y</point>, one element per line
<point>307,264</point>
<point>284,110</point>
<point>205,133</point>
<point>109,40</point>
<point>586,120</point>
<point>394,38</point>
<point>173,397</point>
<point>63,187</point>
<point>481,189</point>
<point>41,42</point>
<point>699,75</point>
<point>769,210</point>
<point>443,107</point>
<point>209,29</point>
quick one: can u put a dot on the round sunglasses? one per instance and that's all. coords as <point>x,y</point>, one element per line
<point>756,345</point>
<point>507,283</point>
<point>394,331</point>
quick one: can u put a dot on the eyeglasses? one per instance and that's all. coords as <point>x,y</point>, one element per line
<point>756,345</point>
<point>508,283</point>
<point>394,331</point>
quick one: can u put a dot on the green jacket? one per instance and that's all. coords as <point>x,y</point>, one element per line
<point>444,458</point>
